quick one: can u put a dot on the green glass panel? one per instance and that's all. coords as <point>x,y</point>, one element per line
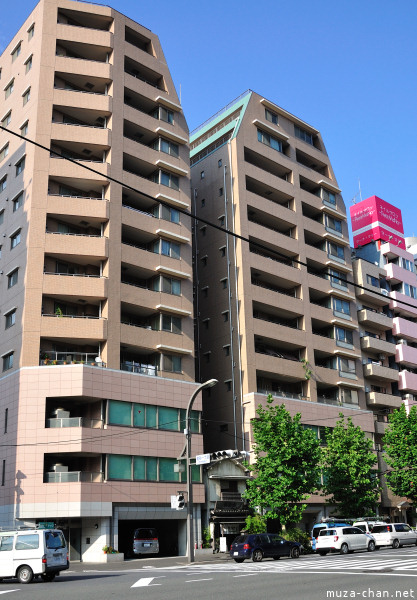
<point>150,416</point>
<point>119,467</point>
<point>120,413</point>
<point>167,418</point>
<point>166,469</point>
<point>139,467</point>
<point>151,469</point>
<point>196,473</point>
<point>195,421</point>
<point>138,415</point>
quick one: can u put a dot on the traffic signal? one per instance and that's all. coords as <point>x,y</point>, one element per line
<point>180,501</point>
<point>228,454</point>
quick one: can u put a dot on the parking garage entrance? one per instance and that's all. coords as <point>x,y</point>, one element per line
<point>167,534</point>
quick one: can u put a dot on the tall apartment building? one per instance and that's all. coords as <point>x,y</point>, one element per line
<point>387,309</point>
<point>96,301</point>
<point>274,312</point>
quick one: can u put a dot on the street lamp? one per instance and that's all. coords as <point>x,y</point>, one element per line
<point>190,524</point>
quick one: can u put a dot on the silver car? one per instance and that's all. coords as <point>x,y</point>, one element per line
<point>394,534</point>
<point>145,541</point>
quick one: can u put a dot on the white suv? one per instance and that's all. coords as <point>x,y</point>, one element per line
<point>344,540</point>
<point>394,534</point>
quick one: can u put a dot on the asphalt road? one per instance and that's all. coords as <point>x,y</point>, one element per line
<point>382,574</point>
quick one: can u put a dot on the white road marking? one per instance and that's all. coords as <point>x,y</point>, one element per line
<point>194,580</point>
<point>8,591</point>
<point>145,581</point>
<point>248,575</point>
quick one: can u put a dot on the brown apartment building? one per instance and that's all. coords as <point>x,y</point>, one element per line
<point>96,344</point>
<point>274,312</point>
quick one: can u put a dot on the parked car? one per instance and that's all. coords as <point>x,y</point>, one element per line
<point>344,540</point>
<point>394,534</point>
<point>263,545</point>
<point>367,526</point>
<point>327,524</point>
<point>145,541</point>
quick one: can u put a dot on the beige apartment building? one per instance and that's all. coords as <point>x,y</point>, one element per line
<point>96,344</point>
<point>275,311</point>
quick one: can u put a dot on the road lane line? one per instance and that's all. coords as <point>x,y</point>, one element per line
<point>194,580</point>
<point>144,582</point>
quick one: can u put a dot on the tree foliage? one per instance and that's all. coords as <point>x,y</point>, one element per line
<point>400,445</point>
<point>349,472</point>
<point>286,468</point>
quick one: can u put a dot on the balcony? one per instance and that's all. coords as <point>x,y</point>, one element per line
<point>80,328</point>
<point>74,422</point>
<point>80,67</point>
<point>74,244</point>
<point>381,427</point>
<point>406,355</point>
<point>378,372</point>
<point>378,399</point>
<point>91,208</point>
<point>403,304</point>
<point>376,346</point>
<point>88,286</point>
<point>379,320</point>
<point>51,357</point>
<point>82,134</point>
<point>73,476</point>
<point>404,328</point>
<point>408,381</point>
<point>289,369</point>
<point>140,368</point>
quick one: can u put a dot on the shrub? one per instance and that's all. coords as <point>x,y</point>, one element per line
<point>206,538</point>
<point>297,535</point>
<point>255,524</point>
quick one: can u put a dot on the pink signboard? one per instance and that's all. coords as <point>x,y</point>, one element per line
<point>374,219</point>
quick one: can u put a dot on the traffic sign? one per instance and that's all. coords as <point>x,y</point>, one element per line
<point>202,459</point>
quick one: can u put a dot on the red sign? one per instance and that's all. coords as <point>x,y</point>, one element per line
<point>374,219</point>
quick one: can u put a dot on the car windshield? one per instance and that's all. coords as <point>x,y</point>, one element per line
<point>241,539</point>
<point>328,532</point>
<point>54,539</point>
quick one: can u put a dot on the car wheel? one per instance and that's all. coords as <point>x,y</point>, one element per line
<point>257,555</point>
<point>295,552</point>
<point>371,546</point>
<point>276,557</point>
<point>239,560</point>
<point>48,576</point>
<point>344,549</point>
<point>24,574</point>
<point>395,544</point>
<point>322,553</point>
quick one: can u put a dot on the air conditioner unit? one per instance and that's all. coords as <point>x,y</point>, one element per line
<point>364,361</point>
<point>361,334</point>
<point>367,389</point>
<point>59,468</point>
<point>381,356</point>
<point>359,306</point>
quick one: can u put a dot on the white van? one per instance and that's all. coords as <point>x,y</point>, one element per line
<point>29,553</point>
<point>367,526</point>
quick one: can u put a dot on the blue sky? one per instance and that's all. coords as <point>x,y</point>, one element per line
<point>348,68</point>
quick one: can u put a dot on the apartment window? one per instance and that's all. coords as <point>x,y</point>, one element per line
<point>346,365</point>
<point>221,221</point>
<point>204,291</point>
<point>163,114</point>
<point>344,335</point>
<point>24,129</point>
<point>202,175</point>
<point>407,264</point>
<point>334,224</point>
<point>10,318</point>
<point>31,31</point>
<point>1,216</point>
<point>335,250</point>
<point>221,191</point>
<point>342,306</point>
<point>9,89</point>
<point>166,146</point>
<point>172,324</point>
<point>6,419</point>
<point>167,285</point>
<point>304,135</point>
<point>224,283</point>
<point>28,64</point>
<point>203,230</point>
<point>167,248</point>
<point>17,202</point>
<point>20,166</point>
<point>228,385</point>
<point>168,179</point>
<point>168,214</point>
<point>271,116</point>
<point>269,140</point>
<point>226,350</point>
<point>222,251</point>
<point>16,52</point>
<point>4,151</point>
<point>219,163</point>
<point>3,183</point>
<point>204,260</point>
<point>26,97</point>
<point>6,120</point>
<point>8,361</point>
<point>172,363</point>
<point>15,239</point>
<point>12,278</point>
<point>409,290</point>
<point>338,278</point>
<point>327,196</point>
<point>203,202</point>
<point>374,281</point>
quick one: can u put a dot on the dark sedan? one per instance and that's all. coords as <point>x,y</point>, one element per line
<point>263,545</point>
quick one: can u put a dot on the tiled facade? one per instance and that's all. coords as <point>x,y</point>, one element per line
<point>96,277</point>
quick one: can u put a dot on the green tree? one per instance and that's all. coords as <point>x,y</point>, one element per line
<point>286,467</point>
<point>400,445</point>
<point>349,463</point>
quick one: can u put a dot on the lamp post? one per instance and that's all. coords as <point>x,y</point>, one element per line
<point>190,523</point>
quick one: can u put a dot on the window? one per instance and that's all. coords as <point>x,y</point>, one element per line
<point>26,97</point>
<point>204,260</point>
<point>203,202</point>
<point>342,306</point>
<point>226,350</point>
<point>203,230</point>
<point>16,52</point>
<point>6,120</point>
<point>163,114</point>
<point>28,64</point>
<point>334,224</point>
<point>374,281</point>
<point>12,278</point>
<point>346,365</point>
<point>409,290</point>
<point>166,146</point>
<point>15,239</point>
<point>204,291</point>
<point>221,191</point>
<point>3,183</point>
<point>221,220</point>
<point>6,419</point>
<point>225,316</point>
<point>9,89</point>
<point>335,250</point>
<point>224,283</point>
<point>327,196</point>
<point>1,216</point>
<point>167,248</point>
<point>10,318</point>
<point>31,31</point>
<point>228,385</point>
<point>169,323</point>
<point>169,214</point>
<point>270,141</point>
<point>271,117</point>
<point>202,175</point>
<point>302,134</point>
<point>337,278</point>
<point>24,129</point>
<point>167,285</point>
<point>219,163</point>
<point>165,178</point>
<point>407,264</point>
<point>8,541</point>
<point>4,151</point>
<point>171,363</point>
<point>222,251</point>
<point>17,202</point>
<point>344,335</point>
<point>8,361</point>
<point>20,166</point>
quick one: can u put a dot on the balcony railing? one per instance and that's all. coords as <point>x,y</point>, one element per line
<point>74,476</point>
<point>78,197</point>
<point>139,76</point>
<point>291,293</point>
<point>142,212</point>
<point>143,369</point>
<point>63,316</point>
<point>282,394</point>
<point>74,422</point>
<point>50,357</point>
<point>96,235</point>
<point>283,260</point>
<point>80,91</point>
<point>75,275</point>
